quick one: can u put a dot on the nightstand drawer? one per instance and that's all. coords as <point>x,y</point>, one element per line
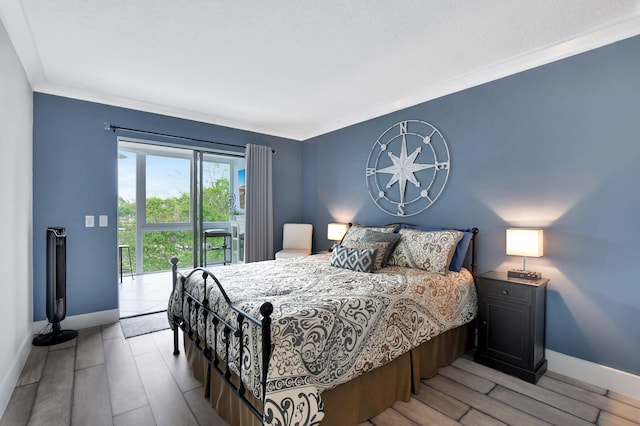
<point>510,291</point>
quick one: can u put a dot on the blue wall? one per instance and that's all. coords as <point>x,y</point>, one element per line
<point>75,174</point>
<point>557,147</point>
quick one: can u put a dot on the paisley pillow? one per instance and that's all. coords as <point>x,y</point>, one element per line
<point>431,251</point>
<point>356,232</point>
<point>461,248</point>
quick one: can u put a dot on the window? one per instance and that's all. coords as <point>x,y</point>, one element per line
<point>162,185</point>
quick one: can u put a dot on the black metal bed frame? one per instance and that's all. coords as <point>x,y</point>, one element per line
<point>474,254</point>
<point>237,331</point>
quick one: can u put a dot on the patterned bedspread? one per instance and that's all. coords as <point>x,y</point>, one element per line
<point>330,324</point>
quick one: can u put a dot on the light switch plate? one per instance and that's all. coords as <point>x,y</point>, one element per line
<point>103,220</point>
<point>89,221</point>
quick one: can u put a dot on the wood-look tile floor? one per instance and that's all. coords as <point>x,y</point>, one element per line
<point>102,379</point>
<point>146,293</point>
<point>143,294</point>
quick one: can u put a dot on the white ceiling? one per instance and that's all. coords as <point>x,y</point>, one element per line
<point>295,68</point>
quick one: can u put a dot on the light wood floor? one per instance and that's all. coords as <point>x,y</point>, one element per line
<point>102,379</point>
<point>143,294</point>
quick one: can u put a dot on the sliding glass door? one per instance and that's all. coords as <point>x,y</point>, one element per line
<point>167,197</point>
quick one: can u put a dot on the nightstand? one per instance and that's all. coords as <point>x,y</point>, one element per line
<point>511,325</point>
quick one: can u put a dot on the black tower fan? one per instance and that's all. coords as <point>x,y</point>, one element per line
<point>56,289</point>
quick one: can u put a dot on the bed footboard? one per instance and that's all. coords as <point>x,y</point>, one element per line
<point>233,331</point>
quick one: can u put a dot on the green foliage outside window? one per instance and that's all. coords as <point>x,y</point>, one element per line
<point>168,210</point>
<point>215,201</point>
<point>160,246</point>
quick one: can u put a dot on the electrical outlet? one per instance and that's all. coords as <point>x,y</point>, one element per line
<point>103,220</point>
<point>89,221</point>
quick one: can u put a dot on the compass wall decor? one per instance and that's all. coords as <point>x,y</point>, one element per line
<point>408,168</point>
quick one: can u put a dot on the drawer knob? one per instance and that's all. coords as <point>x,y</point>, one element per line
<point>505,292</point>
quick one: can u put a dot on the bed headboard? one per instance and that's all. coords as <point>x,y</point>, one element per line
<point>474,252</point>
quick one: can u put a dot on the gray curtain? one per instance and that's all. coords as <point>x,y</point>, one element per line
<point>259,204</point>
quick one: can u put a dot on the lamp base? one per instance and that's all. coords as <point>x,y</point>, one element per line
<point>524,275</point>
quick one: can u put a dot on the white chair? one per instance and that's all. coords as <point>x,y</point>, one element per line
<point>296,240</point>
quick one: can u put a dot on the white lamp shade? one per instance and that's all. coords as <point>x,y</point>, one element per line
<point>524,242</point>
<point>335,231</point>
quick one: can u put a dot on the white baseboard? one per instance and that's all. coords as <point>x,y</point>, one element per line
<point>93,319</point>
<point>8,383</point>
<point>596,374</point>
<point>83,321</point>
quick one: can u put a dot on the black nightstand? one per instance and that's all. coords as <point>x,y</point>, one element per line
<point>511,326</point>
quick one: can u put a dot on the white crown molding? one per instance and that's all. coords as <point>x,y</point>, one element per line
<point>101,98</point>
<point>17,26</point>
<point>593,40</point>
<point>596,374</point>
<point>14,19</point>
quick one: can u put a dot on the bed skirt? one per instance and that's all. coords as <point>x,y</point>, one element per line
<point>355,401</point>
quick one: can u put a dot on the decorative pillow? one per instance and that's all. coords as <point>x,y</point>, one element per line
<point>431,251</point>
<point>376,236</point>
<point>354,259</point>
<point>461,248</point>
<point>356,232</point>
<point>380,246</point>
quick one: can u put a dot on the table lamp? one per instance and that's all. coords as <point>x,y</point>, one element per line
<point>525,243</point>
<point>335,231</point>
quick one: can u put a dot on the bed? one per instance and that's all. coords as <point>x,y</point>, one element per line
<point>333,338</point>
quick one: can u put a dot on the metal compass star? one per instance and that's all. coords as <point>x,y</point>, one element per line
<point>403,168</point>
